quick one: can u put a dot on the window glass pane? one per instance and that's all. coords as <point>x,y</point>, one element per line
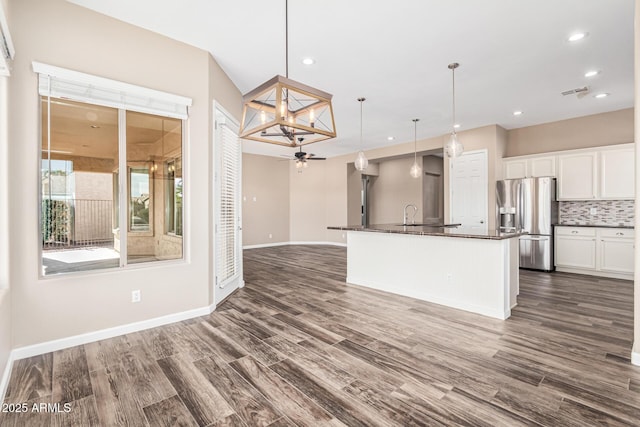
<point>154,185</point>
<point>78,163</point>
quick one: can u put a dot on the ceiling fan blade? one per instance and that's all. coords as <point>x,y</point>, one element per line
<point>317,158</point>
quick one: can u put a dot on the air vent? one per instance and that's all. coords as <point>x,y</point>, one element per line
<point>576,91</point>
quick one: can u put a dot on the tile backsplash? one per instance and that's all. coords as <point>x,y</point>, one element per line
<point>608,212</point>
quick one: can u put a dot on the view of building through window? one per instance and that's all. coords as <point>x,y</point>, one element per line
<point>80,182</point>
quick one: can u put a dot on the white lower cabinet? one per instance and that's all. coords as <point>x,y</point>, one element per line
<point>616,250</point>
<point>576,250</point>
<point>598,251</point>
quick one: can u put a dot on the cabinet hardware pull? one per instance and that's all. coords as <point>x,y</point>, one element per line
<point>574,232</point>
<point>619,234</point>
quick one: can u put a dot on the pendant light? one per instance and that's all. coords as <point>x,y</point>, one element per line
<point>454,148</point>
<point>286,112</point>
<point>361,162</point>
<point>416,170</point>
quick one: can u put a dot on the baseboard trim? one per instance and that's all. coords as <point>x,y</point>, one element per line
<point>624,276</point>
<point>269,245</point>
<point>635,355</point>
<point>266,245</point>
<point>59,344</point>
<point>4,381</point>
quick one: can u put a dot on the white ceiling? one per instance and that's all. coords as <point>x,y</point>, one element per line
<point>514,55</point>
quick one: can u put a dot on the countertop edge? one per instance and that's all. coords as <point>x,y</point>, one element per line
<point>427,233</point>
<point>626,227</point>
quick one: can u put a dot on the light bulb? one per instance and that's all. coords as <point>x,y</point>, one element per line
<point>305,164</point>
<point>361,162</point>
<point>415,171</point>
<point>298,164</point>
<point>283,109</point>
<point>312,117</point>
<point>263,117</point>
<point>454,148</point>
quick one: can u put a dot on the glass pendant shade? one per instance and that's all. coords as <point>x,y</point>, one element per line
<point>361,162</point>
<point>454,148</point>
<point>416,170</point>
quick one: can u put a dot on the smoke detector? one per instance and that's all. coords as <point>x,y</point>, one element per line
<point>580,91</point>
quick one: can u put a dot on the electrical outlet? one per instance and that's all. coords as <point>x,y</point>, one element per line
<point>593,211</point>
<point>270,236</point>
<point>136,296</point>
<point>449,277</point>
<point>343,235</point>
<point>255,199</point>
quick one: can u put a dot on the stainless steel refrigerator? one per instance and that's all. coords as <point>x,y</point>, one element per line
<point>530,205</point>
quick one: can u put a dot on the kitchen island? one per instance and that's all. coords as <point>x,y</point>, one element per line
<point>468,269</point>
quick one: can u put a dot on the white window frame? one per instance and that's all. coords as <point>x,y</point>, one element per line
<point>130,98</point>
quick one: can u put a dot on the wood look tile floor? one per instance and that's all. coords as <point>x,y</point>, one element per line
<point>296,346</point>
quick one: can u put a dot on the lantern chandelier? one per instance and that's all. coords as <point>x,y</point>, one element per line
<point>285,112</point>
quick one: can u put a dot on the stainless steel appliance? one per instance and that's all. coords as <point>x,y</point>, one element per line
<point>530,205</point>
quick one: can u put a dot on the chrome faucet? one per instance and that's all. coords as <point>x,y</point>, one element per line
<point>413,218</point>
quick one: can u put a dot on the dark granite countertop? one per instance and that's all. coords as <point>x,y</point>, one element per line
<point>430,230</point>
<point>594,225</point>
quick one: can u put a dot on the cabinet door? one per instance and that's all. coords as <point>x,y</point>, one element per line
<point>617,174</point>
<point>616,255</point>
<point>542,166</point>
<point>514,169</point>
<point>577,176</point>
<point>576,252</point>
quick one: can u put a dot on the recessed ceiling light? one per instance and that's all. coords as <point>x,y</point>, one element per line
<point>577,36</point>
<point>308,61</point>
<point>591,73</point>
<point>456,126</point>
<point>390,138</point>
<point>517,113</point>
<point>601,95</point>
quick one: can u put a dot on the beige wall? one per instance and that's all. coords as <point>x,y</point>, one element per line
<point>392,190</point>
<point>265,200</point>
<point>62,34</point>
<point>615,127</point>
<point>308,202</point>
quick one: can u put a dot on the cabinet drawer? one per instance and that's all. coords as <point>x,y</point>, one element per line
<point>576,231</point>
<point>617,232</point>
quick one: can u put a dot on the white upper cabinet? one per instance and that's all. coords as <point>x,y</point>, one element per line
<point>542,166</point>
<point>617,174</point>
<point>601,173</point>
<point>529,167</point>
<point>514,169</point>
<point>577,176</point>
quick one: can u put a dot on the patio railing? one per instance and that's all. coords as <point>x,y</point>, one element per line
<point>70,223</point>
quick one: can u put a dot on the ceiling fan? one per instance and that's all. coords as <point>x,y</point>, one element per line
<point>301,157</point>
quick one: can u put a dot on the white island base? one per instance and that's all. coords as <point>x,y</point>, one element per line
<point>472,274</point>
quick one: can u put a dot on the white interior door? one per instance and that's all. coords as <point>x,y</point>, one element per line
<point>228,219</point>
<point>468,189</point>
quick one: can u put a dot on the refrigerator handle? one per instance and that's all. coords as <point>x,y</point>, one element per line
<point>520,207</point>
